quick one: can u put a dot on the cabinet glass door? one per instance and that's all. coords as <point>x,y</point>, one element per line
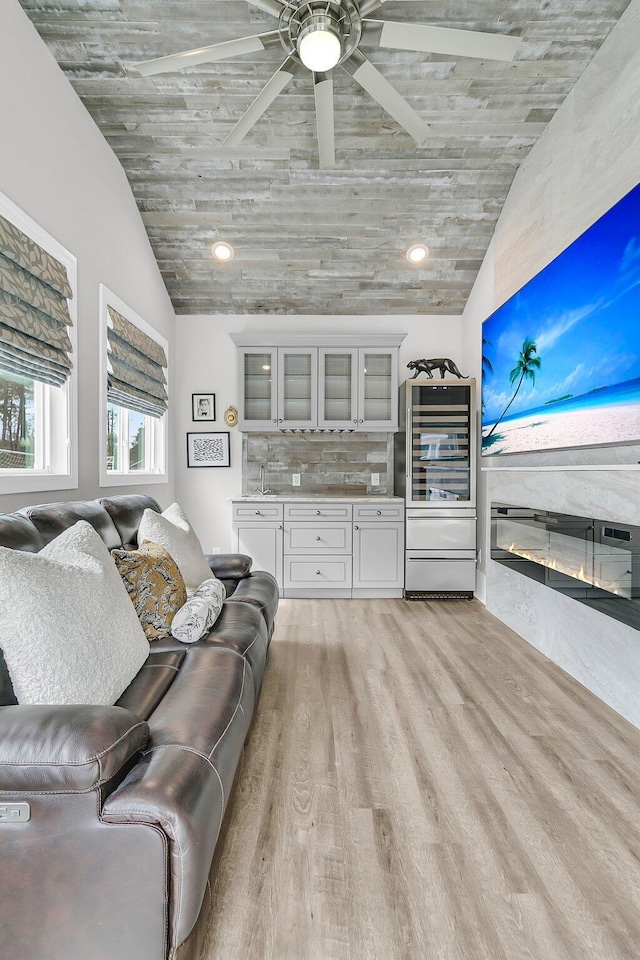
<point>378,407</point>
<point>338,391</point>
<point>439,444</point>
<point>297,387</point>
<point>258,373</point>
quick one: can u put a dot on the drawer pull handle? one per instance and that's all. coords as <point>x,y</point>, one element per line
<point>274,420</point>
<point>318,513</point>
<point>318,538</point>
<point>379,513</point>
<point>356,527</point>
<point>279,526</point>
<point>318,572</point>
<point>257,513</point>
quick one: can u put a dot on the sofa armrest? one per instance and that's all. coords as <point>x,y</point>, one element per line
<point>65,748</point>
<point>229,566</point>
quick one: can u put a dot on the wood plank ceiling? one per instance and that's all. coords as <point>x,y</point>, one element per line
<point>310,241</point>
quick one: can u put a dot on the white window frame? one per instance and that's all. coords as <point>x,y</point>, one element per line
<point>156,439</point>
<point>57,425</point>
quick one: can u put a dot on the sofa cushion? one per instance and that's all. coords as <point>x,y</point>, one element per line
<point>52,519</point>
<point>19,533</point>
<point>240,627</point>
<point>184,780</point>
<point>261,591</point>
<point>150,684</point>
<point>66,748</point>
<point>154,584</point>
<point>172,530</point>
<point>68,630</point>
<point>126,513</point>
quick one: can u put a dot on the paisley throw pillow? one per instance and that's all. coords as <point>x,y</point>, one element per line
<point>154,584</point>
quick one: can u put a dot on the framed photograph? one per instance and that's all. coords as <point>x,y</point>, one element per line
<point>203,406</point>
<point>209,449</point>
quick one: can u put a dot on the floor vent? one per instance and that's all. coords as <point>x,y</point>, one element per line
<point>436,595</point>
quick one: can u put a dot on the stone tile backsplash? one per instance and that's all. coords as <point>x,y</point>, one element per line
<point>337,464</point>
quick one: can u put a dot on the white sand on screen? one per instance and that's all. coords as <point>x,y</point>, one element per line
<point>614,423</point>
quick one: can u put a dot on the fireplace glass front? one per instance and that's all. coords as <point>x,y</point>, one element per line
<point>594,561</point>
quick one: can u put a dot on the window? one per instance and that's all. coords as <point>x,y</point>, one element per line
<point>38,416</point>
<point>134,396</point>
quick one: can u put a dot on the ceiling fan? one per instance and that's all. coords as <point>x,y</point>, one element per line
<point>323,34</point>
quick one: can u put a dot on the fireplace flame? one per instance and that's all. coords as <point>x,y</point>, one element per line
<point>553,563</point>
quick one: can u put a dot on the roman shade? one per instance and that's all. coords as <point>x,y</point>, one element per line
<point>34,309</point>
<point>135,367</point>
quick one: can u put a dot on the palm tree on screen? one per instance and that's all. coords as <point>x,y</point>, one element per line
<point>525,369</point>
<point>486,363</point>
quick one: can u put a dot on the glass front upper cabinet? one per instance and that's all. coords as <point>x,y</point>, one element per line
<point>338,388</point>
<point>297,387</point>
<point>378,393</point>
<point>258,389</point>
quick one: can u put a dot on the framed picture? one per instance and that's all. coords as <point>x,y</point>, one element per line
<point>209,449</point>
<point>203,406</point>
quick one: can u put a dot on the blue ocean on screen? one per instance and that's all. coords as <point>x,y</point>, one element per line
<point>628,392</point>
<point>561,358</point>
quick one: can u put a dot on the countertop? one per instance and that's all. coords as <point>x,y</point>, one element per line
<point>288,497</point>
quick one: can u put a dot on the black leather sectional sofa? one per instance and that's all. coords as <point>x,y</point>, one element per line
<point>125,803</point>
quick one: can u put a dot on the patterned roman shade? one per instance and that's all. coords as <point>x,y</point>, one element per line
<point>34,309</point>
<point>135,367</point>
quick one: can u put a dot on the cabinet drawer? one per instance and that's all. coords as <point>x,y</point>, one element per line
<point>317,538</point>
<point>382,511</point>
<point>257,511</point>
<point>313,572</point>
<point>317,511</point>
<point>434,575</point>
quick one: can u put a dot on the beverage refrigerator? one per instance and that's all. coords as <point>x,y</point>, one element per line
<point>435,472</point>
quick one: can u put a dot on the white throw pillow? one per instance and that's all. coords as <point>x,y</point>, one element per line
<point>173,531</point>
<point>200,612</point>
<point>69,631</point>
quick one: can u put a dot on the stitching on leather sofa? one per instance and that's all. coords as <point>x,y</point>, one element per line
<point>72,763</point>
<point>244,673</point>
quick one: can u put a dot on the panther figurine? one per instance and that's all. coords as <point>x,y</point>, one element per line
<point>443,364</point>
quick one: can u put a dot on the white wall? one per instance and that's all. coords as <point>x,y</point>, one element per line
<point>587,160</point>
<point>206,362</point>
<point>56,165</point>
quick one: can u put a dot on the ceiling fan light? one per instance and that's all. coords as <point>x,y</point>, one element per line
<point>320,49</point>
<point>222,250</point>
<point>418,253</point>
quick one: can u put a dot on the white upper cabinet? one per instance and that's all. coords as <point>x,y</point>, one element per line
<point>338,383</point>
<point>257,382</point>
<point>338,388</point>
<point>297,387</point>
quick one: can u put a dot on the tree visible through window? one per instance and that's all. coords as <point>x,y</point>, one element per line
<point>17,422</point>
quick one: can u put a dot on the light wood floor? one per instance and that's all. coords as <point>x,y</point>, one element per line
<point>420,783</point>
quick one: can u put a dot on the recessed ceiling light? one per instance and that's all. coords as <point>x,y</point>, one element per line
<point>417,253</point>
<point>222,250</point>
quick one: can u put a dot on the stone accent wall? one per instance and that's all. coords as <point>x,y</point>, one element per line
<point>328,463</point>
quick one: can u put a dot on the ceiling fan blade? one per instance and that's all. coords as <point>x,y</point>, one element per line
<point>216,51</point>
<point>269,6</point>
<point>323,91</point>
<point>364,72</point>
<point>262,102</point>
<point>426,39</point>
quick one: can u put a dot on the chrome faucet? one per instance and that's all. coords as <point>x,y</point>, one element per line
<point>262,489</point>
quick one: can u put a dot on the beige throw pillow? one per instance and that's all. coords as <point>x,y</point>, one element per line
<point>172,530</point>
<point>155,585</point>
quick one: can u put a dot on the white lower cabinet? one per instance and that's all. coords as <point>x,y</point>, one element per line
<point>378,557</point>
<point>262,540</point>
<point>329,549</point>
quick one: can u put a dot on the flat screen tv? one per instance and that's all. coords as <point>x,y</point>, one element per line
<point>561,358</point>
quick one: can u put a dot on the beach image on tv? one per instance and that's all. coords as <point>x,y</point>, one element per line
<point>561,358</point>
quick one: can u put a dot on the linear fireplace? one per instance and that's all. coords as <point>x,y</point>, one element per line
<point>596,562</point>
